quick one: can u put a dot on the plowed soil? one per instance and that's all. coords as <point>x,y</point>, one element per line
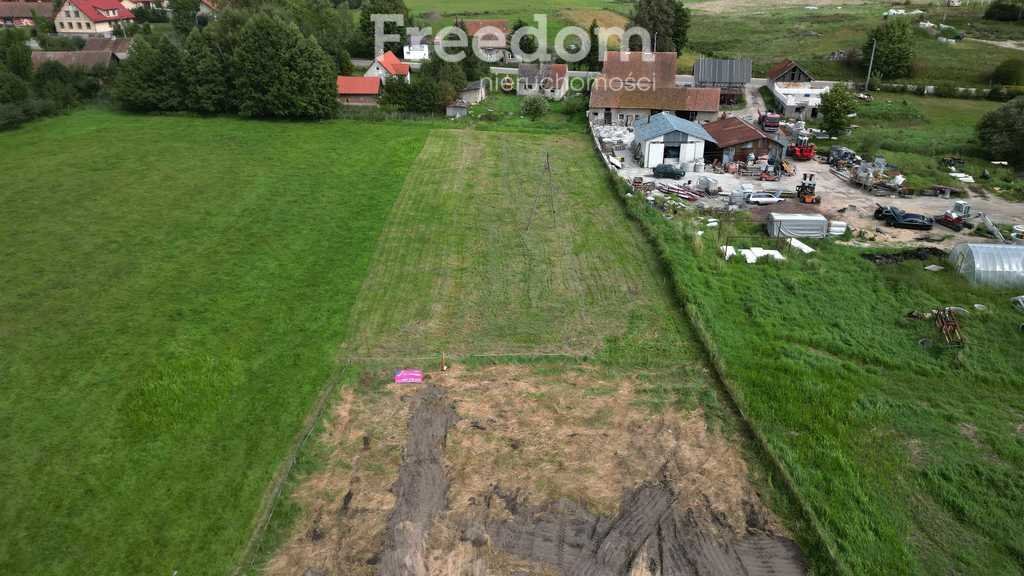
<point>513,470</point>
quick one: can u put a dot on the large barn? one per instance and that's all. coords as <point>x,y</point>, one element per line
<point>669,139</point>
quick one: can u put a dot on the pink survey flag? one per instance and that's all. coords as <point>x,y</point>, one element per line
<point>409,377</point>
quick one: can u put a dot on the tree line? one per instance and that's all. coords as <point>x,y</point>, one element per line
<point>51,89</point>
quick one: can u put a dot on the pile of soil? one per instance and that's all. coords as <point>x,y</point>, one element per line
<point>923,253</point>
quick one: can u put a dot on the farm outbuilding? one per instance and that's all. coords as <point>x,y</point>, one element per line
<point>735,139</point>
<point>990,264</point>
<point>669,139</point>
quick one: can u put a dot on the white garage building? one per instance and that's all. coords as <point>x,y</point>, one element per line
<point>669,139</point>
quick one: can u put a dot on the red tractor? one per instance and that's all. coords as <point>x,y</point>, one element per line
<point>802,149</point>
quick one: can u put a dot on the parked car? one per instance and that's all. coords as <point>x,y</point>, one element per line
<point>669,171</point>
<point>884,212</point>
<point>899,219</point>
<point>763,198</point>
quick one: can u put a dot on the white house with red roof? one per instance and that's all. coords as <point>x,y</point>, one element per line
<point>387,66</point>
<point>359,90</point>
<point>91,17</point>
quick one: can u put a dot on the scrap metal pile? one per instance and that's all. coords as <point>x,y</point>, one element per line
<point>877,177</point>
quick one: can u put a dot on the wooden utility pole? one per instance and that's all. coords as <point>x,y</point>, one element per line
<point>871,64</point>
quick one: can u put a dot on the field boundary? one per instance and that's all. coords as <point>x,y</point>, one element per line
<point>620,187</point>
<point>272,496</point>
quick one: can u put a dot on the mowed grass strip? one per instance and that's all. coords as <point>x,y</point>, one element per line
<point>488,253</point>
<point>912,457</point>
<point>173,294</point>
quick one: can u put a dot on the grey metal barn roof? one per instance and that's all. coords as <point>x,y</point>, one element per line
<point>717,71</point>
<point>990,264</point>
<point>664,123</point>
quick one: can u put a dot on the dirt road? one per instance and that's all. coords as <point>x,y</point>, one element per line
<point>858,208</point>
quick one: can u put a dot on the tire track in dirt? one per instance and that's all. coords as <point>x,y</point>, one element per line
<point>650,535</point>
<point>421,490</point>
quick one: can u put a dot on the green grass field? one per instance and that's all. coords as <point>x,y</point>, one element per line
<point>167,321</point>
<point>174,292</point>
<point>915,132</point>
<point>912,457</point>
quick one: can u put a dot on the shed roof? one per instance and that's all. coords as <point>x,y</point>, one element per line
<point>783,67</point>
<point>732,130</point>
<point>656,67</point>
<point>358,85</point>
<point>115,45</point>
<point>496,34</point>
<point>665,122</point>
<point>540,72</point>
<point>74,59</point>
<point>991,264</point>
<point>25,9</point>
<point>675,98</point>
<point>719,71</point>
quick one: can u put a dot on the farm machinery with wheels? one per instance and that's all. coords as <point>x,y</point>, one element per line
<point>806,190</point>
<point>802,149</point>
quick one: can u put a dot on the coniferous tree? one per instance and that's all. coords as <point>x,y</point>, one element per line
<point>205,76</point>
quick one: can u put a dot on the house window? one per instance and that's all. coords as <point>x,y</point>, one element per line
<point>79,25</point>
<point>88,26</point>
<point>62,25</point>
<point>78,14</point>
<point>672,152</point>
<point>67,13</point>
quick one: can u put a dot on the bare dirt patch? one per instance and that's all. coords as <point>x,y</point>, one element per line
<point>546,474</point>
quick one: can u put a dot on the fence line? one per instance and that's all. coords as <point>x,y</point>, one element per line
<point>718,371</point>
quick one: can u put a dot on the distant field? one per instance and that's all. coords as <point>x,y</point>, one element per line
<point>174,291</point>
<point>911,456</point>
<point>769,33</point>
<point>810,36</point>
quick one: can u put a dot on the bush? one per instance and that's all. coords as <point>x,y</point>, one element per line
<point>1005,10</point>
<point>946,90</point>
<point>1010,72</point>
<point>13,90</point>
<point>1001,132</point>
<point>12,116</point>
<point>574,105</point>
<point>534,107</point>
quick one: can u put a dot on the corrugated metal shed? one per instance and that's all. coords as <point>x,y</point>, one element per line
<point>990,264</point>
<point>664,123</point>
<point>719,72</point>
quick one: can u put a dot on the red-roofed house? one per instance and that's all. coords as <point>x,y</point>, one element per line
<point>359,90</point>
<point>634,86</point>
<point>91,17</point>
<point>492,36</point>
<point>387,66</point>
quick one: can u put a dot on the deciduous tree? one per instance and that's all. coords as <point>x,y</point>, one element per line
<point>836,106</point>
<point>1001,132</point>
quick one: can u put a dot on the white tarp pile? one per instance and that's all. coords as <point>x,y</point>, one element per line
<point>797,225</point>
<point>751,255</point>
<point>836,228</point>
<point>965,178</point>
<point>800,246</point>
